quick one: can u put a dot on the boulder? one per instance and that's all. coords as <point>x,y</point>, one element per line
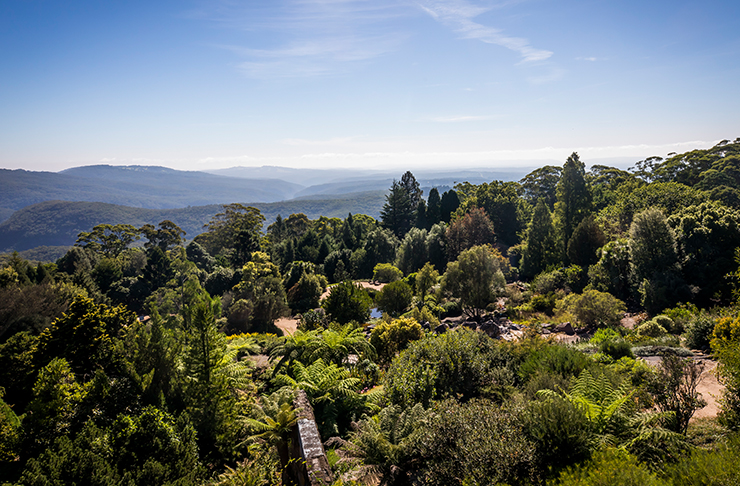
<point>564,327</point>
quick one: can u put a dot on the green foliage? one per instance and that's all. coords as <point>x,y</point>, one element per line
<point>457,363</point>
<point>651,329</point>
<point>331,391</point>
<point>553,359</point>
<point>473,443</point>
<point>714,467</point>
<point>560,431</point>
<point>673,387</point>
<point>398,212</point>
<point>390,337</point>
<point>84,335</point>
<point>348,302</point>
<point>594,308</point>
<point>541,248</point>
<point>699,330</point>
<point>584,244</point>
<point>617,349</point>
<point>573,198</point>
<point>707,236</point>
<point>394,298</point>
<point>148,448</point>
<point>262,286</point>
<point>381,446</point>
<point>654,260</point>
<point>476,278</point>
<point>109,240</point>
<point>386,273</point>
<point>609,467</point>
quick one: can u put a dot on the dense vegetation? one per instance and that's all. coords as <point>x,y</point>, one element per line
<point>142,358</point>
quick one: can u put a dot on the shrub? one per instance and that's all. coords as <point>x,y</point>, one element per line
<point>651,329</point>
<point>388,338</point>
<point>454,364</point>
<point>386,273</point>
<point>594,308</point>
<point>560,431</point>
<point>617,349</point>
<point>394,298</point>
<point>452,309</point>
<point>348,302</point>
<point>473,443</point>
<point>699,331</point>
<point>553,358</point>
<point>718,467</point>
<point>605,334</point>
<point>673,387</point>
<point>609,467</point>
<point>668,324</point>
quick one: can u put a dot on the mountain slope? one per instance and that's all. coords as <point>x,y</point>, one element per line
<point>136,186</point>
<point>57,223</point>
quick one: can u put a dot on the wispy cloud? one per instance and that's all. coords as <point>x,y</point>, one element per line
<point>459,15</point>
<point>314,37</point>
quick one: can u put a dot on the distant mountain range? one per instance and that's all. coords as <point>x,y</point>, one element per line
<point>52,208</point>
<point>57,223</point>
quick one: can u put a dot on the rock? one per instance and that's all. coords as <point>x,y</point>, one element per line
<point>564,327</point>
<point>442,328</point>
<point>470,324</point>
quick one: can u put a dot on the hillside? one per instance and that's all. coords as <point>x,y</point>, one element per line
<point>57,223</point>
<point>135,186</point>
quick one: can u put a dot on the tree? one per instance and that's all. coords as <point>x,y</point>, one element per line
<point>386,273</point>
<point>426,278</point>
<point>237,227</point>
<point>434,207</point>
<point>412,253</point>
<point>473,229</point>
<point>573,198</point>
<point>540,251</point>
<point>501,202</point>
<point>380,246</point>
<point>348,302</point>
<point>449,204</point>
<point>654,261</point>
<point>391,337</point>
<point>542,183</point>
<point>583,246</point>
<point>707,236</point>
<point>168,236</point>
<point>398,212</point>
<point>262,286</point>
<point>594,308</point>
<point>673,387</point>
<point>476,278</point>
<point>612,272</point>
<point>408,181</point>
<point>108,239</point>
<point>84,335</point>
<point>394,298</point>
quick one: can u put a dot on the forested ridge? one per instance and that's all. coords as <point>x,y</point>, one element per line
<point>516,319</point>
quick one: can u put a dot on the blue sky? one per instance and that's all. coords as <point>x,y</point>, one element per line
<point>374,84</point>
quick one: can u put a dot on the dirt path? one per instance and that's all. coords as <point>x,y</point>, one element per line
<point>289,325</point>
<point>366,285</point>
<point>709,387</point>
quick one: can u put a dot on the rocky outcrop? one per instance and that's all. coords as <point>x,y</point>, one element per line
<point>308,465</point>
